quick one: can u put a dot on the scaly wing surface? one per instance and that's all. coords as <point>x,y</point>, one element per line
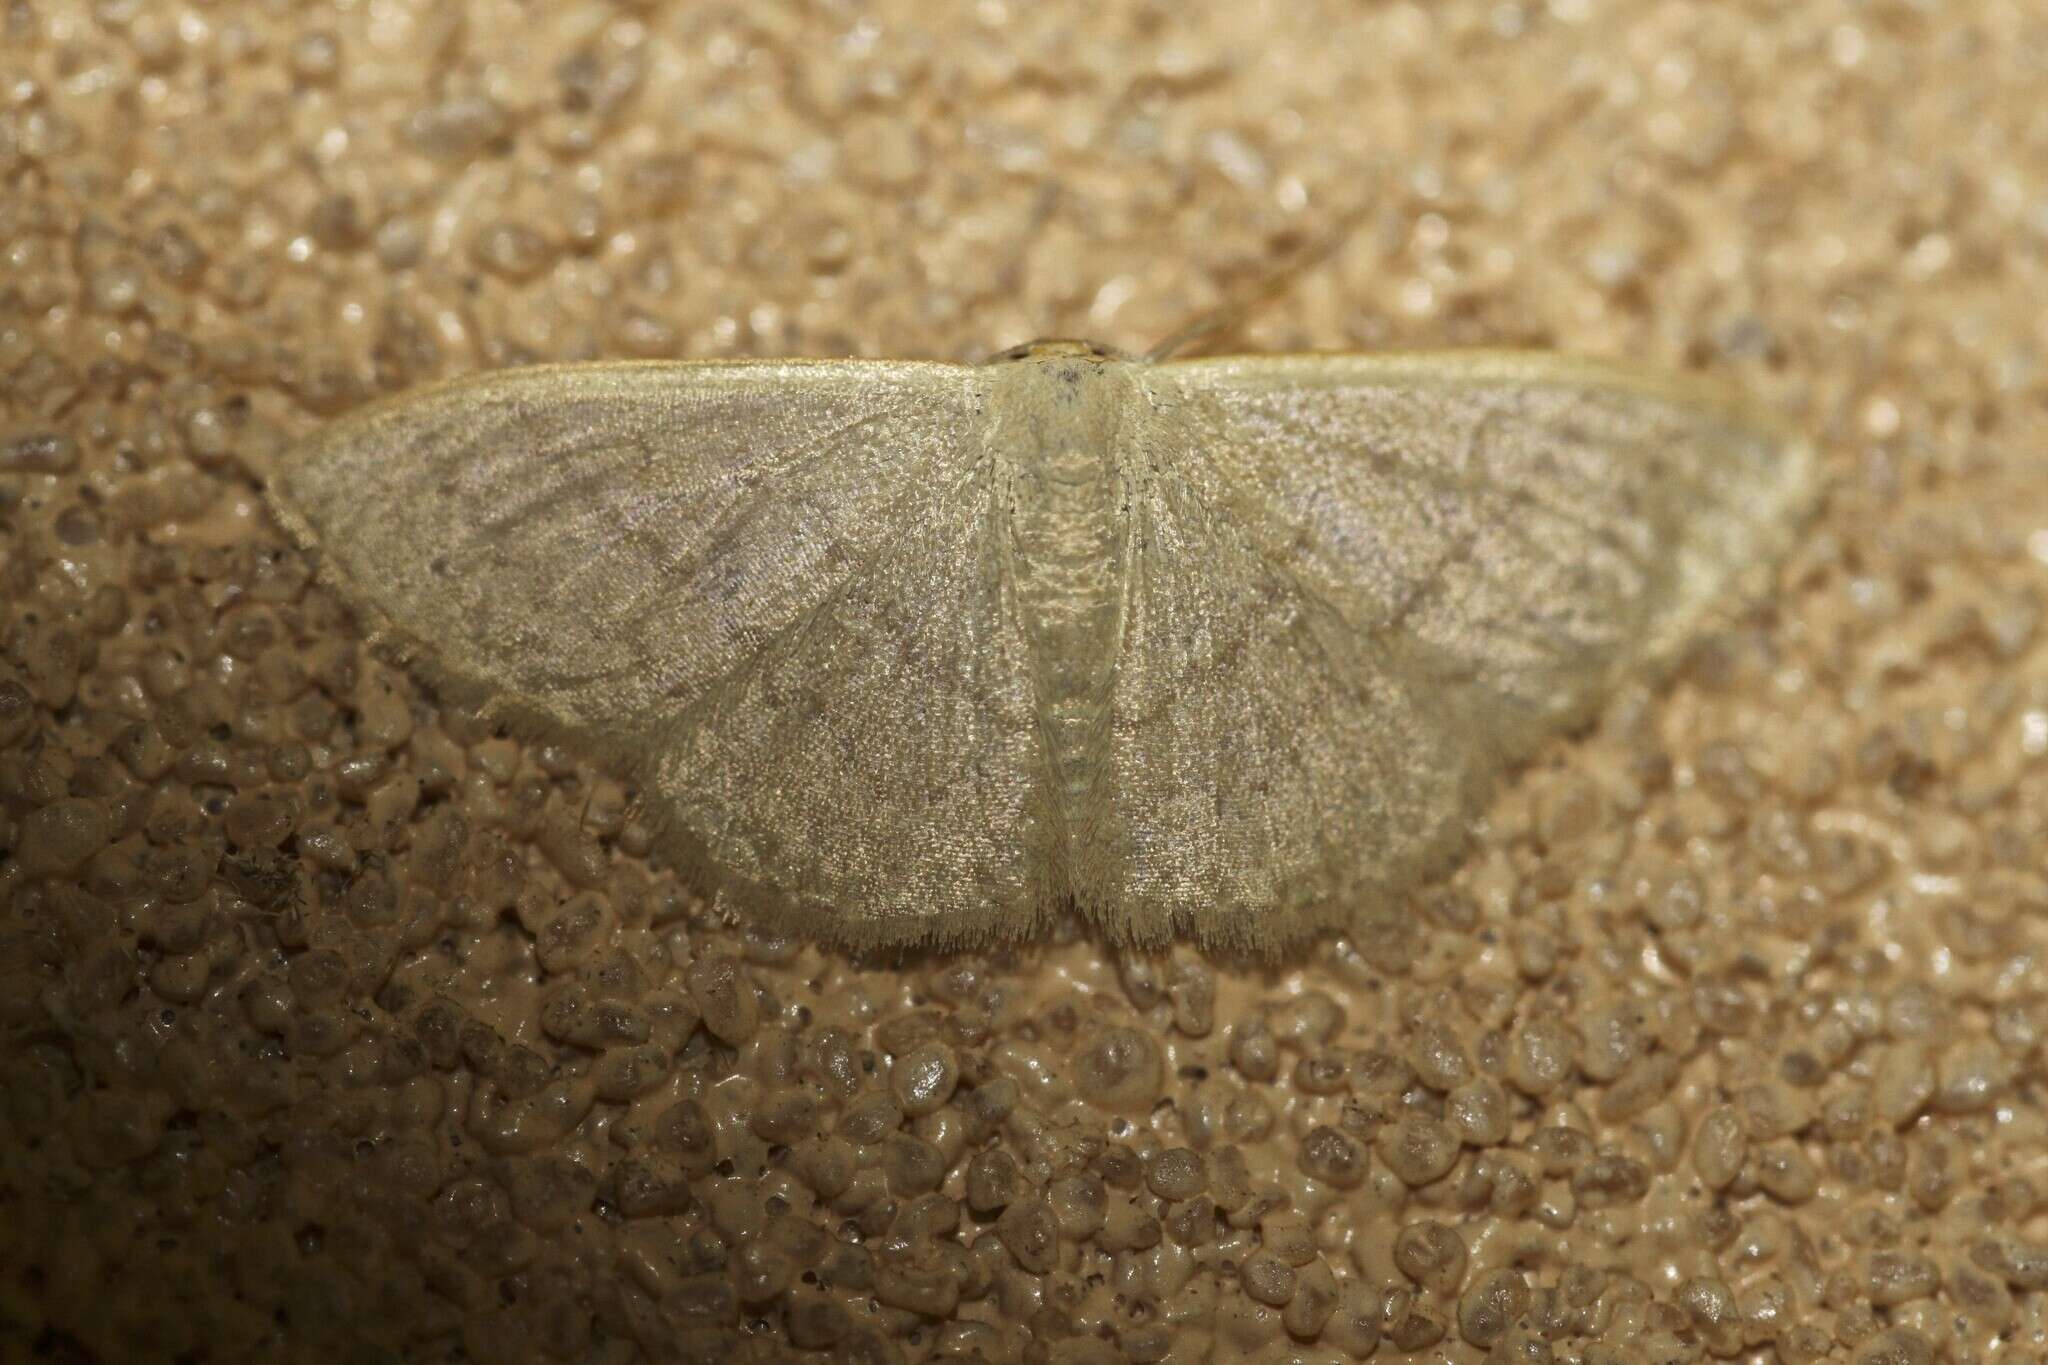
<point>879,771</point>
<point>643,558</point>
<point>1364,584</point>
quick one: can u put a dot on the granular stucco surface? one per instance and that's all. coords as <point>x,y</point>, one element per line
<point>335,1026</point>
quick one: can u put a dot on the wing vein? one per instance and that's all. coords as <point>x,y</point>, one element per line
<point>793,635</point>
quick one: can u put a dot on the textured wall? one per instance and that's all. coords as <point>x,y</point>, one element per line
<point>331,1021</point>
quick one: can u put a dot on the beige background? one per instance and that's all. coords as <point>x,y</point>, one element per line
<point>1725,1039</point>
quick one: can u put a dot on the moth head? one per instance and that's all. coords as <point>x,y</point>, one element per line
<point>1059,348</point>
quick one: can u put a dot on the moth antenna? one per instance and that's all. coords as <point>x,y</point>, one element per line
<point>1234,311</point>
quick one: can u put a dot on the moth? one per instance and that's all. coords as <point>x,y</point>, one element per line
<point>914,653</point>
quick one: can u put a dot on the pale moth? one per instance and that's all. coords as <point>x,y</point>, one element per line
<point>918,653</point>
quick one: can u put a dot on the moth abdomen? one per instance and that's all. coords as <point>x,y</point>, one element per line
<point>1068,531</point>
